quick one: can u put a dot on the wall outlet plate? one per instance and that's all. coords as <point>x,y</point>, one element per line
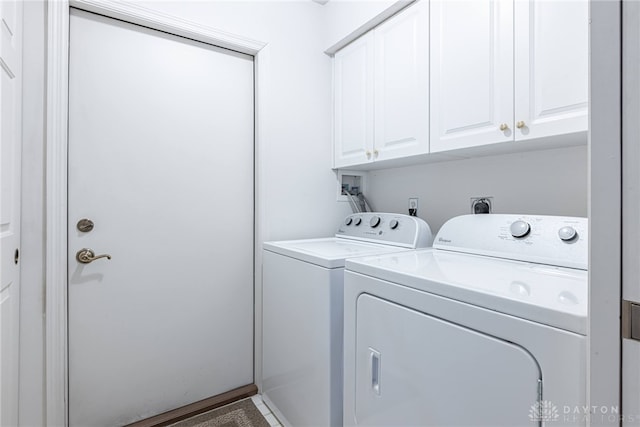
<point>482,205</point>
<point>413,206</point>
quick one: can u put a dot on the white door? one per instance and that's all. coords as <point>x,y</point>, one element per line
<point>412,369</point>
<point>471,73</point>
<point>161,161</point>
<point>402,84</point>
<point>551,67</point>
<point>10,158</point>
<point>631,210</point>
<point>353,80</point>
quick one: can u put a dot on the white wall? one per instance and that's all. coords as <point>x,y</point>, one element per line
<point>550,182</point>
<point>344,16</point>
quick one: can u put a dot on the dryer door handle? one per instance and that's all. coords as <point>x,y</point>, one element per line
<point>374,358</point>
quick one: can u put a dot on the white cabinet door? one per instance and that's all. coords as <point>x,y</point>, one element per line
<point>551,67</point>
<point>353,77</point>
<point>402,84</point>
<point>471,73</point>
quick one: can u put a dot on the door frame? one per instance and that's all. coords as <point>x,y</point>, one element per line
<point>56,338</point>
<point>605,211</point>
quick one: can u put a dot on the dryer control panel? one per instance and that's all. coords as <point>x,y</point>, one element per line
<point>552,240</point>
<point>387,228</point>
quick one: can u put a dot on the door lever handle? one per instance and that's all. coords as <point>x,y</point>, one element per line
<point>85,256</point>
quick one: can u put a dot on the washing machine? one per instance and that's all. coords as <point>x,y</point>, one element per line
<point>487,328</point>
<point>302,315</point>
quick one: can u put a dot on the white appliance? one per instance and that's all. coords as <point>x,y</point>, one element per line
<point>487,328</point>
<point>302,312</point>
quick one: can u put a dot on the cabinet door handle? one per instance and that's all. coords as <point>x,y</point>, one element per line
<point>520,124</point>
<point>374,357</point>
<point>368,153</point>
<point>504,127</point>
<point>376,152</point>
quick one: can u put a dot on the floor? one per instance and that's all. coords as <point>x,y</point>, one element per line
<point>265,411</point>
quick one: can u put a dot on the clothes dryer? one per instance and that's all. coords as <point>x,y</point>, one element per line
<point>303,311</point>
<point>487,328</point>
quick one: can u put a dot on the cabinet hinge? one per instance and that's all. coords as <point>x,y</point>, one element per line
<point>631,320</point>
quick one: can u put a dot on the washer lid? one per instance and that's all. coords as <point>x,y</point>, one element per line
<point>554,296</point>
<point>328,252</point>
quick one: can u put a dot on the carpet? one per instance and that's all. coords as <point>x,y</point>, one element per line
<point>239,414</point>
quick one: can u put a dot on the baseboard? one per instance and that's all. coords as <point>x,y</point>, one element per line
<point>196,408</point>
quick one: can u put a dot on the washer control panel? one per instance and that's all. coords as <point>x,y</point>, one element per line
<point>552,240</point>
<point>387,228</point>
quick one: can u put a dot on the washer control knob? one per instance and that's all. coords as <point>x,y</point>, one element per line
<point>358,221</point>
<point>393,224</point>
<point>348,221</point>
<point>567,233</point>
<point>520,228</point>
<point>375,221</point>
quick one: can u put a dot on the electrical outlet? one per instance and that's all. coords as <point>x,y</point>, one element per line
<point>481,205</point>
<point>413,206</point>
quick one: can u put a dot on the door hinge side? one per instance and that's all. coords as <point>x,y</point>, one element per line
<point>542,412</point>
<point>630,322</point>
<point>540,390</point>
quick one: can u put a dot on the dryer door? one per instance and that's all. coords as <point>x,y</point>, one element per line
<point>414,369</point>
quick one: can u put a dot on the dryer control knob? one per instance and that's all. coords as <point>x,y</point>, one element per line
<point>567,233</point>
<point>393,224</point>
<point>375,221</point>
<point>358,221</point>
<point>348,221</point>
<point>520,228</point>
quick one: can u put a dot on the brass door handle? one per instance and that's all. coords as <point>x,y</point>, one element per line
<point>86,256</point>
<point>520,124</point>
<point>504,127</point>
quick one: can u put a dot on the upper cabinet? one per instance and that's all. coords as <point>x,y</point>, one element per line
<point>551,67</point>
<point>382,91</point>
<point>445,75</point>
<point>353,124</point>
<point>504,71</point>
<point>471,73</point>
<point>401,93</point>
